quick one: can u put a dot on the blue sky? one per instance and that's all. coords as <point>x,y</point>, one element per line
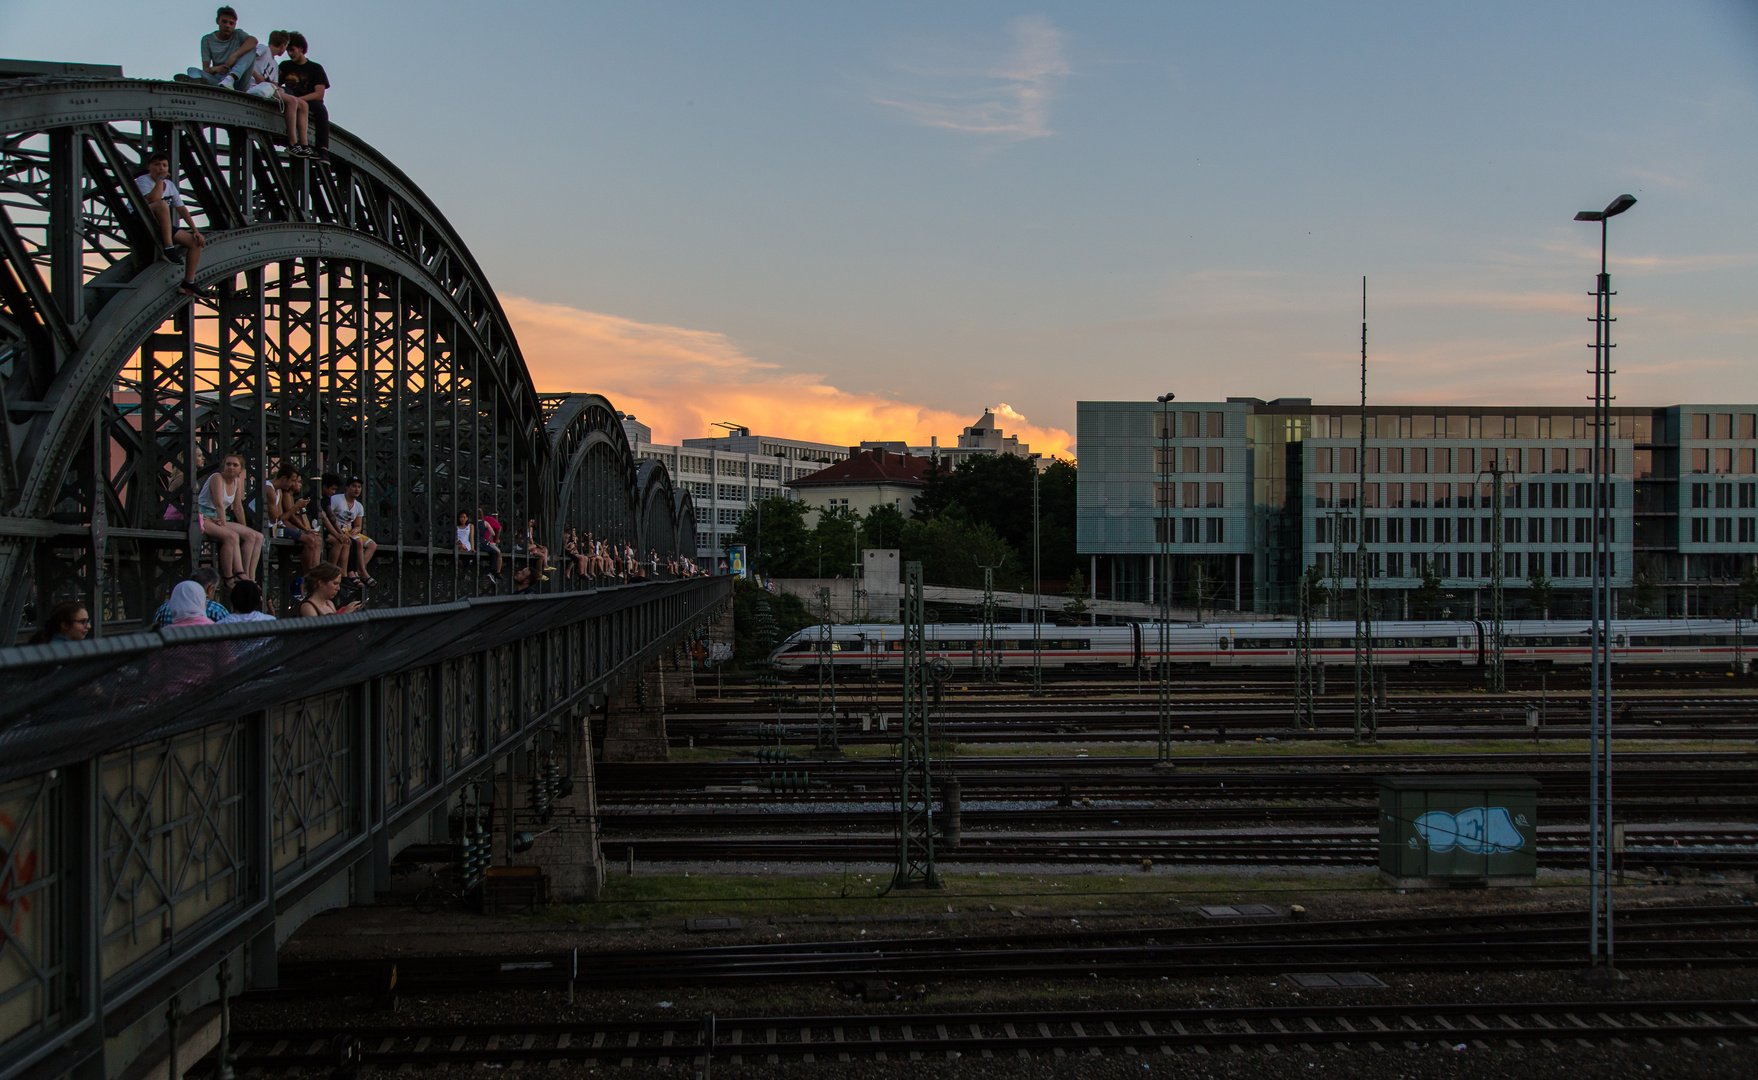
<point>870,221</point>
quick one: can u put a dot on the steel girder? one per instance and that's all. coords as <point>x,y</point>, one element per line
<point>170,800</point>
<point>353,333</point>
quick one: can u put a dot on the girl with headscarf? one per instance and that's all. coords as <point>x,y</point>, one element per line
<point>189,605</point>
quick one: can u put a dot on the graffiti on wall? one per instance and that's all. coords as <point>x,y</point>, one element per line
<point>1476,830</point>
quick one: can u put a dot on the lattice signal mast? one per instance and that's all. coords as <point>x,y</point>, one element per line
<point>915,796</point>
<point>988,660</point>
<point>1498,672</point>
<point>827,733</point>
<point>1305,678</point>
<point>1367,721</point>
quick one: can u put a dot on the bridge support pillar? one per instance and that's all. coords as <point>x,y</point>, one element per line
<point>680,676</point>
<point>567,847</point>
<point>635,720</point>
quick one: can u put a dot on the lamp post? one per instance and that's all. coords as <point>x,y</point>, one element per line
<point>1163,525</point>
<point>1037,590</point>
<point>1599,755</point>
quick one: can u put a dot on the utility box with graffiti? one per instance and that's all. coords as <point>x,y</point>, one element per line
<point>1439,831</point>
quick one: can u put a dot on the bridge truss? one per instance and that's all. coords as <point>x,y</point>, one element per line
<point>352,333</point>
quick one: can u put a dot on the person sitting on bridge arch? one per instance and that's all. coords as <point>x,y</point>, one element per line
<point>321,586</point>
<point>238,544</point>
<point>226,54</point>
<point>306,80</point>
<point>246,604</point>
<point>286,508</point>
<point>265,83</point>
<point>67,621</point>
<point>188,605</point>
<point>489,528</point>
<point>165,204</point>
<point>349,512</point>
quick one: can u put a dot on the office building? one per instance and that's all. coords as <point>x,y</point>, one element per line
<point>1252,493</point>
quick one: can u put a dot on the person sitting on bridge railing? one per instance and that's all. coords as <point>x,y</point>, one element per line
<point>239,545</point>
<point>349,514</point>
<point>488,528</point>
<point>165,203</point>
<point>209,580</point>
<point>188,604</point>
<point>306,80</point>
<point>466,533</point>
<point>226,54</point>
<point>286,508</point>
<point>321,586</point>
<point>524,581</point>
<point>247,604</point>
<point>265,82</point>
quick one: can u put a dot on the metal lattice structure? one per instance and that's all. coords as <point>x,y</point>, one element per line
<point>1305,678</point>
<point>351,332</point>
<point>1497,663</point>
<point>915,792</point>
<point>827,732</point>
<point>1367,720</point>
<point>989,661</point>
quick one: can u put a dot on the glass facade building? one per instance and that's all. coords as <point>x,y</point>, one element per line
<point>1250,494</point>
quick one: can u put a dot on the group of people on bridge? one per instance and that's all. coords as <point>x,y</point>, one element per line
<point>235,60</point>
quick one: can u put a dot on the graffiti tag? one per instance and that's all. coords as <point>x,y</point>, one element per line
<point>1477,830</point>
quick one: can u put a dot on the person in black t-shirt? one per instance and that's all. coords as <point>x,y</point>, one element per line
<point>306,80</point>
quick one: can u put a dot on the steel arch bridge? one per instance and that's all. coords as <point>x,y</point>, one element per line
<point>353,333</point>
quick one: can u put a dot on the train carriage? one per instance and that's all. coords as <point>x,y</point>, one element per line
<point>1464,643</point>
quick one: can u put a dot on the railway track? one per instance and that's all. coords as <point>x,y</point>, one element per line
<point>1706,936</point>
<point>1719,849</point>
<point>1021,1036</point>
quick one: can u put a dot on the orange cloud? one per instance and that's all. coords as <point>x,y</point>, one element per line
<point>680,381</point>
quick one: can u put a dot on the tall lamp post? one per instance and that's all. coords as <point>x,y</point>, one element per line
<point>1163,523</point>
<point>1599,749</point>
<point>1037,590</point>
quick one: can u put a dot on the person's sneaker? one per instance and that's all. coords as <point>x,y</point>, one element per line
<point>228,83</point>
<point>183,77</point>
<point>174,252</point>
<point>323,154</point>
<point>189,288</point>
<point>301,151</point>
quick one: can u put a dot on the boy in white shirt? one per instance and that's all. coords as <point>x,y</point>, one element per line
<point>165,204</point>
<point>264,81</point>
<point>349,514</point>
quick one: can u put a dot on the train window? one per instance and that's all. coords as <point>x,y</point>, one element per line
<point>1006,646</point>
<point>1225,642</point>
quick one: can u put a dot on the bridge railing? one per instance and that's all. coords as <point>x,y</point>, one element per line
<point>165,798</point>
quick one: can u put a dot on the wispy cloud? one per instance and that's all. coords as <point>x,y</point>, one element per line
<point>1009,97</point>
<point>679,381</point>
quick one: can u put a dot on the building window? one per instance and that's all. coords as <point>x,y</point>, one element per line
<point>1700,460</point>
<point>1214,494</point>
<point>1217,427</point>
<point>1371,530</point>
<point>1321,530</point>
<point>1443,530</point>
<point>1512,567</point>
<point>729,516</point>
<point>1699,496</point>
<point>1321,460</point>
<point>1192,496</point>
<point>1346,459</point>
<point>732,492</point>
<point>1699,530</point>
<point>1724,496</point>
<point>1724,530</point>
<point>1467,566</point>
<point>1467,533</point>
<point>1419,530</point>
<point>1164,496</point>
<point>1443,564</point>
<point>1193,425</point>
<point>1583,564</point>
<point>1193,459</point>
<point>1217,459</point>
<point>1748,496</point>
<point>1215,526</point>
<point>1163,530</point>
<point>1189,529</point>
<point>1394,531</point>
<point>1559,564</point>
<point>1748,532</point>
<point>1748,461</point>
<point>1321,496</point>
<point>1394,564</point>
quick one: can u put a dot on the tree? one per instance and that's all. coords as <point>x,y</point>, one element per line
<point>883,527</point>
<point>1077,595</point>
<point>783,547</point>
<point>1429,597</point>
<point>953,549</point>
<point>1644,594</point>
<point>1317,592</point>
<point>996,490</point>
<point>1748,591</point>
<point>1539,589</point>
<point>761,621</point>
<point>835,542</point>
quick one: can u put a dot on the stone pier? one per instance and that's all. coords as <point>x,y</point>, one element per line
<point>567,847</point>
<point>635,720</point>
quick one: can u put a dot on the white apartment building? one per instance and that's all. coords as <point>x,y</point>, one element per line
<point>726,474</point>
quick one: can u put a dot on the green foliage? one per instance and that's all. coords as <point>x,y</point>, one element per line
<point>883,527</point>
<point>953,549</point>
<point>1428,598</point>
<point>1645,595</point>
<point>1748,593</point>
<point>1317,592</point>
<point>783,547</point>
<point>761,621</point>
<point>1538,589</point>
<point>836,544</point>
<point>1077,594</point>
<point>995,490</point>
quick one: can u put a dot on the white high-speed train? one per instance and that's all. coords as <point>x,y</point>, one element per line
<point>1681,642</point>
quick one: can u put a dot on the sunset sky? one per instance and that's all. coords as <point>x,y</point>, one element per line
<point>838,222</point>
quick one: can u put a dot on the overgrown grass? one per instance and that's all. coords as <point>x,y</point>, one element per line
<point>857,893</point>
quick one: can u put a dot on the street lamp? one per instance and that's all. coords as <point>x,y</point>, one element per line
<point>1599,759</point>
<point>1163,523</point>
